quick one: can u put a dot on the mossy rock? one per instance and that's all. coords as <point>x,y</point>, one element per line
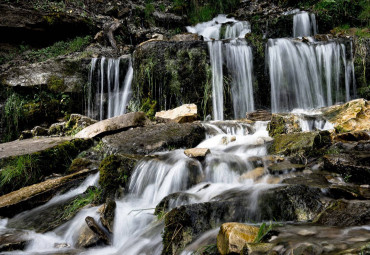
<point>115,172</point>
<point>283,124</point>
<point>21,171</point>
<point>308,143</point>
<point>79,164</point>
<point>56,84</point>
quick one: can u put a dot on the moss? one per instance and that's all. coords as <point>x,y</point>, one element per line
<point>149,107</point>
<point>115,171</point>
<point>79,164</point>
<point>56,84</point>
<point>41,164</point>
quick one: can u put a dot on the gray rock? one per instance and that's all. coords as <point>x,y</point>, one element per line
<point>107,215</point>
<point>93,225</point>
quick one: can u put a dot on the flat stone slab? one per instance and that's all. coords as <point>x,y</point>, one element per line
<point>182,114</point>
<point>29,146</point>
<point>32,196</point>
<point>115,124</point>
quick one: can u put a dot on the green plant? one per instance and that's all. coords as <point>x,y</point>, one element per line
<point>149,9</point>
<point>149,107</point>
<point>89,197</point>
<point>13,114</point>
<point>21,169</point>
<point>263,231</point>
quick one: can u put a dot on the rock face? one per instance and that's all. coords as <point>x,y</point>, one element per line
<point>161,137</point>
<point>344,213</point>
<point>182,114</point>
<point>115,124</point>
<point>352,116</point>
<point>304,142</point>
<point>37,194</point>
<point>295,202</point>
<point>158,62</point>
<point>283,124</point>
<point>234,236</point>
<point>199,153</point>
<point>63,74</point>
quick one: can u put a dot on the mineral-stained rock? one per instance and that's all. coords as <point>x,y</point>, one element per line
<point>233,236</point>
<point>160,137</point>
<point>351,116</point>
<point>37,194</point>
<point>182,114</point>
<point>345,213</point>
<point>115,124</point>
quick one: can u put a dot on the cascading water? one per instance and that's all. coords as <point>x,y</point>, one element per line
<point>237,55</point>
<point>308,75</point>
<point>304,24</point>
<point>107,95</point>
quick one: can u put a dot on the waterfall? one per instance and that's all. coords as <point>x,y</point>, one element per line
<point>107,95</point>
<point>304,24</point>
<point>239,60</point>
<point>237,55</point>
<point>307,75</point>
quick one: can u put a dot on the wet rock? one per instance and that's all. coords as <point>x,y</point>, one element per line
<point>233,236</point>
<point>38,194</point>
<point>87,238</point>
<point>345,213</point>
<point>305,142</point>
<point>160,137</point>
<point>308,248</point>
<point>185,37</point>
<point>13,241</point>
<point>254,174</point>
<point>353,136</point>
<point>107,215</point>
<point>115,172</point>
<point>312,180</point>
<point>199,153</point>
<point>39,131</point>
<point>115,124</point>
<point>173,200</point>
<point>353,167</point>
<point>283,124</point>
<point>294,202</point>
<point>93,225</point>
<point>182,114</point>
<point>285,167</point>
<point>257,248</point>
<point>255,161</point>
<point>79,164</point>
<point>351,116</point>
<point>260,115</point>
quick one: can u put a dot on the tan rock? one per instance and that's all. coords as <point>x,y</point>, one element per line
<point>115,124</point>
<point>197,152</point>
<point>351,116</point>
<point>185,37</point>
<point>254,174</point>
<point>259,248</point>
<point>32,196</point>
<point>259,115</point>
<point>233,236</point>
<point>182,114</point>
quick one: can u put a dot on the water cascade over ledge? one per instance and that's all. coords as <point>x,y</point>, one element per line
<point>108,93</point>
<point>227,46</point>
<point>304,24</point>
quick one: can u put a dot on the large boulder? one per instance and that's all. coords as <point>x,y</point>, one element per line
<point>283,124</point>
<point>182,114</point>
<point>303,142</point>
<point>32,196</point>
<point>114,125</point>
<point>351,116</point>
<point>160,137</point>
<point>233,236</point>
<point>344,213</point>
<point>290,203</point>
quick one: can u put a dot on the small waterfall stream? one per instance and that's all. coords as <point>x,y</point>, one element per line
<point>304,24</point>
<point>238,57</point>
<point>108,94</point>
